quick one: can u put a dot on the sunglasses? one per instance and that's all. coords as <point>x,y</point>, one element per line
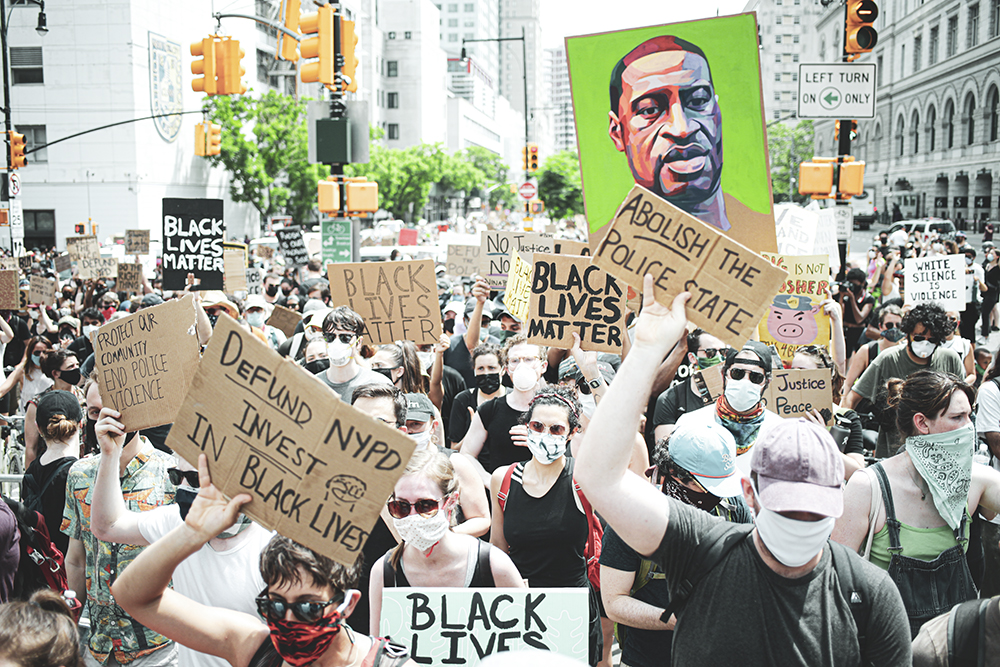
<point>308,612</point>
<point>425,507</point>
<point>919,339</point>
<point>738,374</point>
<point>176,476</point>
<point>344,338</point>
<point>712,351</point>
<point>539,427</point>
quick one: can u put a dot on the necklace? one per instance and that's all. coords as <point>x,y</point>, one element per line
<point>919,482</point>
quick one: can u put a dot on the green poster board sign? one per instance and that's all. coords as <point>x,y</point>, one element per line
<point>336,241</point>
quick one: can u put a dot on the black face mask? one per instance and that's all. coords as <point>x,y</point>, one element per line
<point>387,372</point>
<point>488,383</point>
<point>90,436</point>
<point>184,496</point>
<point>272,290</point>
<point>72,377</point>
<point>700,499</point>
<point>213,319</point>
<point>317,366</point>
<point>286,292</point>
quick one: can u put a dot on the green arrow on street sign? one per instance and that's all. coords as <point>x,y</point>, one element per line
<point>830,98</point>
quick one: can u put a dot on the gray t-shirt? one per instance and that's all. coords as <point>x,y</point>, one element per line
<point>346,389</point>
<point>743,613</point>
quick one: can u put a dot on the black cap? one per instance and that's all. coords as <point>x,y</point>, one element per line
<point>56,402</point>
<point>760,350</point>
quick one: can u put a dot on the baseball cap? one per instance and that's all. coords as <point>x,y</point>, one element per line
<point>70,320</point>
<point>799,469</point>
<point>151,300</point>
<point>470,306</point>
<point>419,408</point>
<point>56,402</point>
<point>762,352</point>
<point>707,451</point>
<point>457,307</point>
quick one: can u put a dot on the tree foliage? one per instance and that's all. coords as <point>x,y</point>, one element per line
<point>787,147</point>
<point>559,185</point>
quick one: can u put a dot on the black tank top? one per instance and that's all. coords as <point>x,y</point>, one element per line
<point>498,450</point>
<point>548,535</point>
<point>482,575</point>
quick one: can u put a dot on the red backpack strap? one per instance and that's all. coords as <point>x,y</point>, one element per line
<point>505,486</point>
<point>595,533</point>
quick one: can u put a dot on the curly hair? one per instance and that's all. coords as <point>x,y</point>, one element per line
<point>932,316</point>
<point>665,465</point>
<point>924,392</point>
<point>521,339</point>
<point>283,561</point>
<point>559,396</point>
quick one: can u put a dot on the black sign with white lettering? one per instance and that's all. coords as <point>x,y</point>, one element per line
<point>982,202</point>
<point>940,202</point>
<point>961,202</point>
<point>293,247</point>
<point>193,232</point>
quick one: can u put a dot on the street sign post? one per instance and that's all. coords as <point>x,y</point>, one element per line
<point>528,190</point>
<point>837,90</point>
<point>336,237</point>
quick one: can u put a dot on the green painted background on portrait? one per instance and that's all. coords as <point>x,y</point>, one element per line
<point>730,44</point>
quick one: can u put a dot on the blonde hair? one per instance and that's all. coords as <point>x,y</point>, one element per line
<point>39,633</point>
<point>435,465</point>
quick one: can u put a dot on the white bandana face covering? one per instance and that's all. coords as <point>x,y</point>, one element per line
<point>944,460</point>
<point>545,447</point>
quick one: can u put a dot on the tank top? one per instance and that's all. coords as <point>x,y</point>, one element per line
<point>920,543</point>
<point>479,574</point>
<point>547,536</point>
<point>498,450</point>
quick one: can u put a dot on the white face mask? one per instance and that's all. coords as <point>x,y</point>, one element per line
<point>588,405</point>
<point>871,254</point>
<point>33,314</point>
<point>923,348</point>
<point>255,319</point>
<point>426,360</point>
<point>792,542</point>
<point>545,447</point>
<point>88,329</point>
<point>420,531</point>
<point>524,377</point>
<point>968,261</point>
<point>742,394</point>
<point>339,353</point>
<point>422,439</point>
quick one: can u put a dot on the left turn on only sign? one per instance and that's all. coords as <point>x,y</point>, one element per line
<point>837,90</point>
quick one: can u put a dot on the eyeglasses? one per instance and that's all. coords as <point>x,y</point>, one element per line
<point>520,360</point>
<point>738,374</point>
<point>308,612</point>
<point>919,339</point>
<point>176,475</point>
<point>426,507</point>
<point>712,351</point>
<point>888,325</point>
<point>344,338</point>
<point>539,427</point>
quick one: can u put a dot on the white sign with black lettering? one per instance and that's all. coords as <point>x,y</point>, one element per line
<point>939,280</point>
<point>836,90</point>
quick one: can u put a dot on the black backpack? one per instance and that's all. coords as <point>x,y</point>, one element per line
<point>967,633</point>
<point>41,564</point>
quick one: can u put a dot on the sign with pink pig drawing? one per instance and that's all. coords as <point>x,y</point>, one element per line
<point>796,316</point>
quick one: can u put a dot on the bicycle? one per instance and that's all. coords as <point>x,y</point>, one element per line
<point>11,455</point>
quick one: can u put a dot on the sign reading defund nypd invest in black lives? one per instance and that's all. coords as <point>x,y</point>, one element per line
<point>193,232</point>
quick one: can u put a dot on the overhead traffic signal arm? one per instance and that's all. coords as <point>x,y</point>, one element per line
<point>859,34</point>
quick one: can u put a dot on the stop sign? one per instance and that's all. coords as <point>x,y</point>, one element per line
<point>527,190</point>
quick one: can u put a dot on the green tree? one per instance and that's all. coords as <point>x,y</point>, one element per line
<point>559,185</point>
<point>787,147</point>
<point>265,151</point>
<point>496,172</point>
<point>404,175</point>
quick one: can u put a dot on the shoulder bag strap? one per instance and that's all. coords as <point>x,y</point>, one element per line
<point>895,547</point>
<point>485,566</point>
<point>876,505</point>
<point>505,487</point>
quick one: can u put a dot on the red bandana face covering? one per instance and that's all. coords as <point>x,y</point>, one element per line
<point>300,643</point>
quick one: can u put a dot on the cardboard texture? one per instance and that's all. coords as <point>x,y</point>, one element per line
<point>79,247</point>
<point>42,290</point>
<point>796,317</point>
<point>463,260</point>
<point>939,280</point>
<point>569,294</point>
<point>10,295</point>
<point>293,247</point>
<point>129,278</point>
<point>630,138</point>
<point>193,233</point>
<point>793,393</point>
<point>63,263</point>
<point>146,361</point>
<point>710,379</point>
<point>255,282</point>
<point>235,263</point>
<point>567,247</point>
<point>264,251</point>
<point>94,268</point>
<point>136,241</point>
<point>318,470</point>
<point>284,319</point>
<point>495,248</point>
<point>462,626</point>
<point>517,293</point>
<point>9,264</point>
<point>397,300</point>
<point>24,262</point>
<point>731,286</point>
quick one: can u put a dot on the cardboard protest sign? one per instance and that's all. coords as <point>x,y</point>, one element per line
<point>97,267</point>
<point>407,236</point>
<point>129,278</point>
<point>939,280</point>
<point>82,246</point>
<point>799,232</point>
<point>136,241</point>
<point>42,290</point>
<point>292,247</point>
<point>318,470</point>
<point>793,393</point>
<point>796,317</point>
<point>630,139</point>
<point>463,260</point>
<point>567,247</point>
<point>461,626</point>
<point>146,361</point>
<point>63,263</point>
<point>709,379</point>
<point>731,286</point>
<point>495,248</point>
<point>9,264</point>
<point>234,261</point>
<point>265,251</point>
<point>397,300</point>
<point>284,319</point>
<point>569,294</point>
<point>517,293</point>
<point>24,262</point>
<point>193,233</point>
<point>255,282</point>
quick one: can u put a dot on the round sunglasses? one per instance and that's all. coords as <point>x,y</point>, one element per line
<point>539,427</point>
<point>425,507</point>
<point>738,374</point>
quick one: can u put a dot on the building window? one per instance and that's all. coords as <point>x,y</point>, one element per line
<point>995,19</point>
<point>795,39</point>
<point>796,20</point>
<point>392,129</point>
<point>777,57</point>
<point>777,112</point>
<point>470,7</point>
<point>453,7</point>
<point>972,26</point>
<point>918,45</point>
<point>795,76</point>
<point>931,129</point>
<point>470,24</point>
<point>952,36</point>
<point>407,35</point>
<point>795,57</point>
<point>26,64</point>
<point>392,100</point>
<point>392,68</point>
<point>264,61</point>
<point>40,222</point>
<point>777,39</point>
<point>994,103</point>
<point>932,46</point>
<point>777,76</point>
<point>391,35</point>
<point>452,23</point>
<point>34,135</point>
<point>777,19</point>
<point>878,71</point>
<point>902,60</point>
<point>970,120</point>
<point>453,37</point>
<point>949,124</point>
<point>900,136</point>
<point>915,131</point>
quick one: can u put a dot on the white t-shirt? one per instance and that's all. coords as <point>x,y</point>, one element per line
<point>229,579</point>
<point>970,282</point>
<point>959,346</point>
<point>899,237</point>
<point>703,415</point>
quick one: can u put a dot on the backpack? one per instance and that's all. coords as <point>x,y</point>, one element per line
<point>595,532</point>
<point>967,633</point>
<point>41,564</point>
<point>648,570</point>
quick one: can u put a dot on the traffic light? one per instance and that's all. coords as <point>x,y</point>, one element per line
<point>329,196</point>
<point>17,158</point>
<point>854,130</point>
<point>362,195</point>
<point>320,46</point>
<point>524,164</point>
<point>348,45</point>
<point>200,141</point>
<point>80,229</point>
<point>532,157</point>
<point>852,178</point>
<point>230,67</point>
<point>859,35</point>
<point>207,139</point>
<point>816,179</point>
<point>206,66</point>
<point>288,48</point>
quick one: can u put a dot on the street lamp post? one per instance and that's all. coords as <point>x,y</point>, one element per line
<point>41,29</point>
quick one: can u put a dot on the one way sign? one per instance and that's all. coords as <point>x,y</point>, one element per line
<point>837,90</point>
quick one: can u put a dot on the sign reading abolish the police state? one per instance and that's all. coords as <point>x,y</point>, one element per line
<point>136,241</point>
<point>570,294</point>
<point>495,248</point>
<point>97,267</point>
<point>731,286</point>
<point>793,393</point>
<point>318,470</point>
<point>145,362</point>
<point>193,233</point>
<point>293,247</point>
<point>461,626</point>
<point>397,300</point>
<point>82,246</point>
<point>939,280</point>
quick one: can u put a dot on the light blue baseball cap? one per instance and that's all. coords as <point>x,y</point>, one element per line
<point>707,451</point>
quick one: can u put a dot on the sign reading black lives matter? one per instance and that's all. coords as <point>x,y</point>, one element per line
<point>319,471</point>
<point>293,247</point>
<point>193,233</point>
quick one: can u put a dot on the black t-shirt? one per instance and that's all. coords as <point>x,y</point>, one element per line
<point>849,312</point>
<point>767,619</point>
<point>52,502</point>
<point>459,358</point>
<point>459,419</point>
<point>452,383</point>
<point>499,450</point>
<point>676,401</point>
<point>81,347</point>
<point>14,351</point>
<point>380,541</point>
